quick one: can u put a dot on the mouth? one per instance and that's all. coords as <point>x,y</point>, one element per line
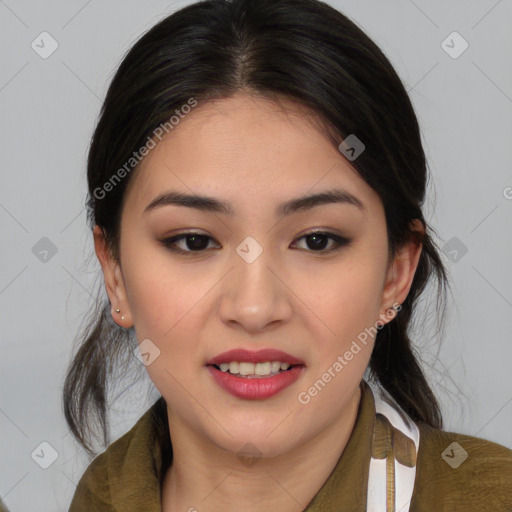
<point>255,370</point>
<point>254,363</point>
<point>255,375</point>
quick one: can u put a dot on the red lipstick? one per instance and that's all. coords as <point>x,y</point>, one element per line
<point>251,356</point>
<point>255,387</point>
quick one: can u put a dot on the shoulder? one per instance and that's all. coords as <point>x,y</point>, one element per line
<point>112,475</point>
<point>460,472</point>
<point>93,491</point>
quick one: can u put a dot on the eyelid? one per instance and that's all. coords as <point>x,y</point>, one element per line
<point>167,242</point>
<point>339,240</point>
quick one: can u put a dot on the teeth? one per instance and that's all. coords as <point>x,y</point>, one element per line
<point>262,369</point>
<point>275,366</point>
<point>246,369</point>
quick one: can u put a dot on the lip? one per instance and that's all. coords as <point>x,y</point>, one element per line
<point>257,388</point>
<point>252,356</point>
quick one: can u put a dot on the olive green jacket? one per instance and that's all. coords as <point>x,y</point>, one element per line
<point>127,476</point>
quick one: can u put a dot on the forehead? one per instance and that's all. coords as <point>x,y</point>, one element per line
<point>245,146</point>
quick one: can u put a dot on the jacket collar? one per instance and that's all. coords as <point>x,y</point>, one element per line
<point>136,469</point>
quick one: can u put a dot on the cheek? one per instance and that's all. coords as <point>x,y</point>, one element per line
<point>347,297</point>
<point>170,303</point>
<point>348,304</point>
<point>166,296</point>
<point>166,308</point>
<point>165,300</point>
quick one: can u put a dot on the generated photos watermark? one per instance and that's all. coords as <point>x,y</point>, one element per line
<point>304,397</point>
<point>137,156</point>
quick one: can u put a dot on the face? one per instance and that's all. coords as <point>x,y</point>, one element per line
<point>198,282</point>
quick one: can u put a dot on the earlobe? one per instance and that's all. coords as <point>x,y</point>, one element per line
<point>400,273</point>
<point>113,278</point>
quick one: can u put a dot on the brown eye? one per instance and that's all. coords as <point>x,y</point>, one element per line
<point>191,242</point>
<point>318,240</point>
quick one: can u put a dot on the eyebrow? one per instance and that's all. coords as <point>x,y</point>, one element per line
<point>211,204</point>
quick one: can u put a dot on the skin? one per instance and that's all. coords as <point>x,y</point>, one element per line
<point>249,152</point>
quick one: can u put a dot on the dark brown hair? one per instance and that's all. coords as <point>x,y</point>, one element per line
<point>303,50</point>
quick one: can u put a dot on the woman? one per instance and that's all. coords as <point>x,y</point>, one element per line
<point>235,137</point>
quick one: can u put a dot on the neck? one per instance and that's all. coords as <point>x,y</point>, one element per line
<point>205,477</point>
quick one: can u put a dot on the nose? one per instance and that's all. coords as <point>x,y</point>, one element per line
<point>255,296</point>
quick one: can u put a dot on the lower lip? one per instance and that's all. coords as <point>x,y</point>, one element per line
<point>256,388</point>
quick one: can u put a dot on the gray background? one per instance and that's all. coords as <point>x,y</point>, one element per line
<point>48,110</point>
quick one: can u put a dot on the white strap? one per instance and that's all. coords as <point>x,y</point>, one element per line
<point>404,476</point>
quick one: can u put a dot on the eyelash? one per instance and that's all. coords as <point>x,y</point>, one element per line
<point>340,241</point>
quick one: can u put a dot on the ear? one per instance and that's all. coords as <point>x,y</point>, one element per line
<point>114,283</point>
<point>400,273</point>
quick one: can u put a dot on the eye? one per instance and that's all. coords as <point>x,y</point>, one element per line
<point>197,242</point>
<point>317,240</point>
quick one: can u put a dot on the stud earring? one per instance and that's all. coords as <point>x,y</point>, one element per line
<point>118,310</point>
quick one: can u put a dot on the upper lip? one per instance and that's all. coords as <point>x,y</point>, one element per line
<point>254,356</point>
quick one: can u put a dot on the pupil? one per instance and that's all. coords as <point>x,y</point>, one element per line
<point>198,241</point>
<point>317,245</point>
